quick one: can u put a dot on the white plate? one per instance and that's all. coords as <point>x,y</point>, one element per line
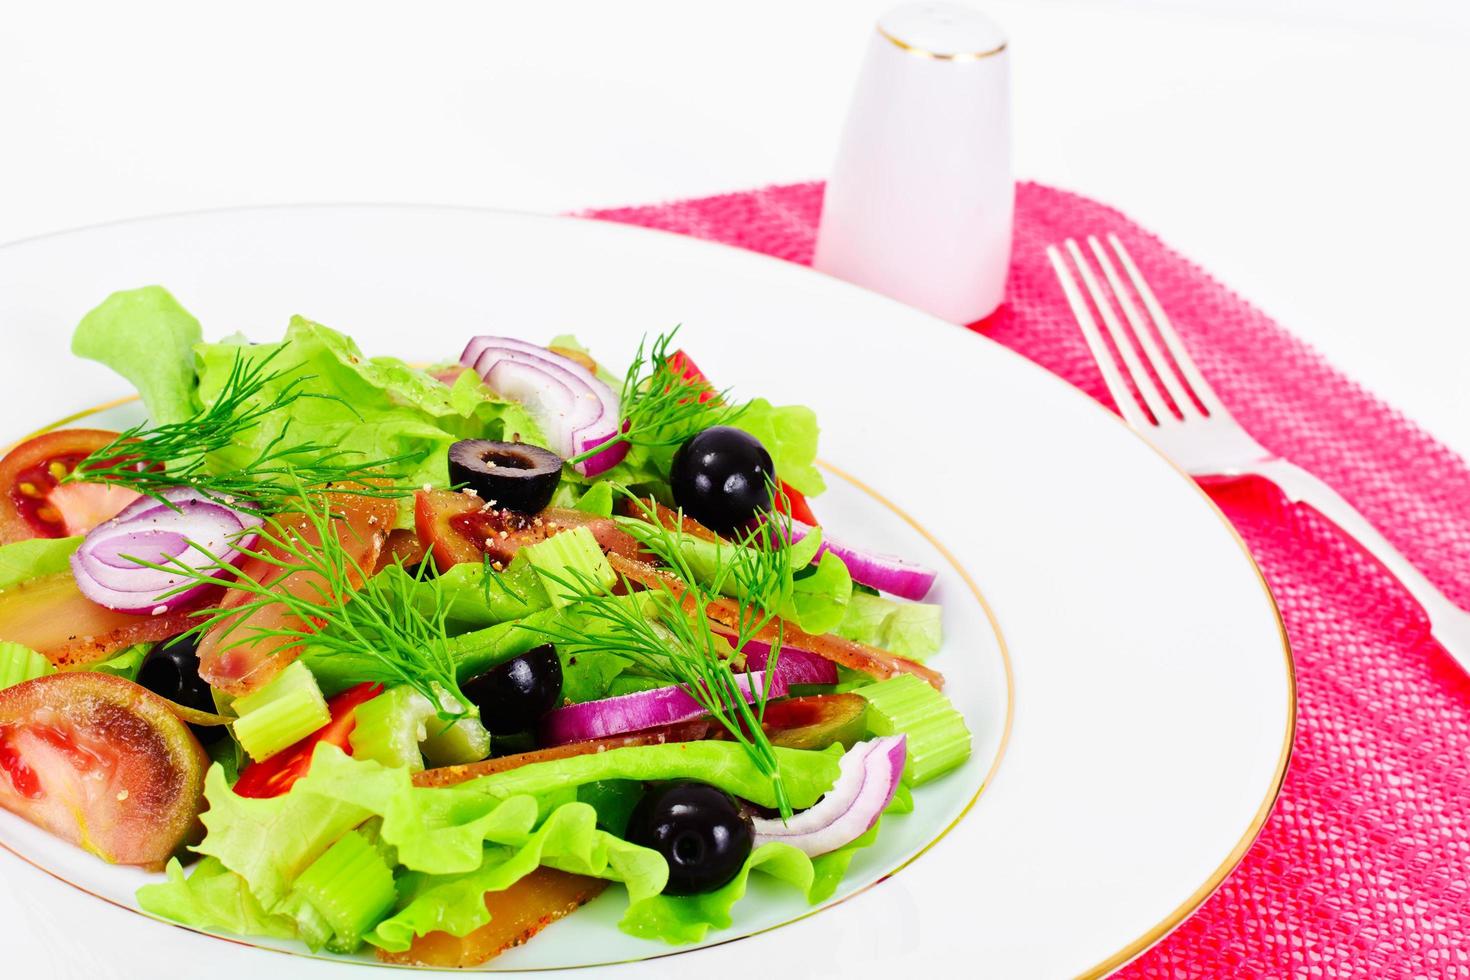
<point>1153,705</point>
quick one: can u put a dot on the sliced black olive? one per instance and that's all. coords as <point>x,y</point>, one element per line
<point>514,695</point>
<point>171,670</point>
<point>698,829</point>
<point>722,478</point>
<point>515,475</point>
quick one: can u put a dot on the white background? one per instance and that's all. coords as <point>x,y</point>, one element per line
<point>1313,153</point>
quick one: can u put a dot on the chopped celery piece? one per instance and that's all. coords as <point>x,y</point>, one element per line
<point>390,727</point>
<point>20,663</point>
<point>938,740</point>
<point>351,886</point>
<point>280,714</point>
<point>461,743</point>
<point>564,560</point>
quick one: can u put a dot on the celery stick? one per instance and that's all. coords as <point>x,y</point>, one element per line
<point>283,712</point>
<point>938,740</point>
<point>351,886</point>
<point>20,663</point>
<point>461,743</point>
<point>564,560</point>
<point>390,726</point>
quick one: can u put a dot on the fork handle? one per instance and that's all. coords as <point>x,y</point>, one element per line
<point>1448,623</point>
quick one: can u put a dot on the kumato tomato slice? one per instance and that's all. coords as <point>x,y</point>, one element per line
<point>101,762</point>
<point>34,503</point>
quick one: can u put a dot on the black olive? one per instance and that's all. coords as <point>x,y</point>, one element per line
<point>514,695</point>
<point>722,478</point>
<point>171,670</point>
<point>698,829</point>
<point>514,475</point>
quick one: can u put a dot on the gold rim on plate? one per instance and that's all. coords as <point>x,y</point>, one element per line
<point>908,519</point>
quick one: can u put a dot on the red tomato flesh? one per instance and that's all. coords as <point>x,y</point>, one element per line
<point>274,776</point>
<point>33,501</point>
<point>101,762</point>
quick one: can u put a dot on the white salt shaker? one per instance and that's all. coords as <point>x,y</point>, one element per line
<point>921,199</point>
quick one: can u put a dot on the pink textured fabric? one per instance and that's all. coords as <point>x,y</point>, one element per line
<point>1364,867</point>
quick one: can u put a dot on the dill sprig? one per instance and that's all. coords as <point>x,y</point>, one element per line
<point>669,637</point>
<point>661,406</point>
<point>153,459</point>
<point>346,612</point>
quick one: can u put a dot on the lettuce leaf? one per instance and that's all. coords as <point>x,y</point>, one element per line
<point>148,338</point>
<point>378,408</point>
<point>680,919</point>
<point>125,663</point>
<point>270,842</point>
<point>455,843</point>
<point>21,561</point>
<point>212,897</point>
<point>568,840</point>
<point>807,775</point>
<point>909,629</point>
<point>789,433</point>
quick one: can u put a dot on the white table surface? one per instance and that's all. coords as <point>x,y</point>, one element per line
<point>1313,153</point>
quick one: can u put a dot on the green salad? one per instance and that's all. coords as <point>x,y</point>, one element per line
<point>413,661</point>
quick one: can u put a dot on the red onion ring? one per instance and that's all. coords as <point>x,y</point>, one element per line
<point>573,407</point>
<point>159,532</point>
<point>886,573</point>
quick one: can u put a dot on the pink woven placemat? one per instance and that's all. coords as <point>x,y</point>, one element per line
<point>1364,867</point>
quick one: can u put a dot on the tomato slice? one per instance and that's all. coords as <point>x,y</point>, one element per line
<point>101,762</point>
<point>33,501</point>
<point>276,775</point>
<point>796,505</point>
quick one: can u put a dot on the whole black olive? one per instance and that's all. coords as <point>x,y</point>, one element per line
<point>514,695</point>
<point>171,670</point>
<point>722,478</point>
<point>698,829</point>
<point>515,475</point>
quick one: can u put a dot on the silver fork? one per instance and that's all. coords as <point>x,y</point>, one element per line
<point>1192,426</point>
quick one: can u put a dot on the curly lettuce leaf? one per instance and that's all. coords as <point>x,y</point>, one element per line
<point>21,561</point>
<point>454,843</point>
<point>681,919</point>
<point>909,629</point>
<point>568,840</point>
<point>789,433</point>
<point>270,842</point>
<point>807,775</point>
<point>213,897</point>
<point>148,338</point>
<point>376,408</point>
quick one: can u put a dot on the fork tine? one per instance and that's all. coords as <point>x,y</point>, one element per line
<point>1143,336</point>
<point>1202,389</point>
<point>1141,379</point>
<point>1100,353</point>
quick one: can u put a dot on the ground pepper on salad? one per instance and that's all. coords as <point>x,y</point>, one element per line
<point>417,661</point>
